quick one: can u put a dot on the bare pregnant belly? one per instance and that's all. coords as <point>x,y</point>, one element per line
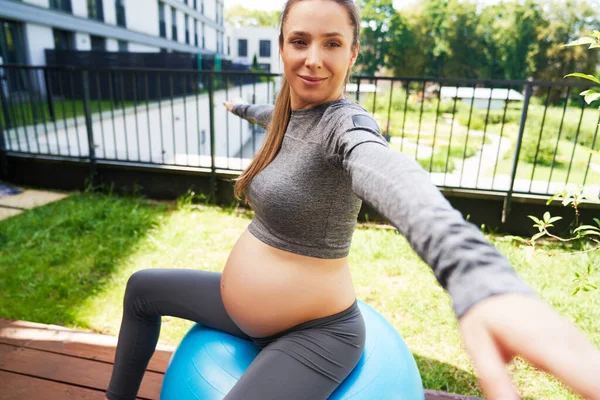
<point>267,290</point>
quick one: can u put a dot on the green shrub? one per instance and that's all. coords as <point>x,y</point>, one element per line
<point>545,153</point>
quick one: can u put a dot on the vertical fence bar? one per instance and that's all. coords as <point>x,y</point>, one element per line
<point>3,158</point>
<point>148,117</point>
<point>537,149</point>
<point>575,140</point>
<point>497,159</point>
<point>227,116</point>
<point>159,94</point>
<point>23,112</point>
<point>592,148</point>
<point>451,131</point>
<point>437,114</point>
<point>185,127</point>
<point>89,126</point>
<point>357,90</point>
<point>462,167</point>
<point>27,85</point>
<point>38,85</point>
<point>73,109</point>
<point>3,100</point>
<point>211,112</point>
<point>404,116</point>
<point>49,95</point>
<point>241,128</point>
<point>513,174</point>
<point>387,128</point>
<point>99,106</point>
<point>485,125</point>
<point>48,82</point>
<point>61,88</point>
<point>122,91</point>
<point>135,113</point>
<point>172,118</point>
<point>420,119</point>
<point>253,125</point>
<point>198,132</point>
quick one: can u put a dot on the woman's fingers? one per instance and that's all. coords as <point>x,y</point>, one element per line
<point>489,363</point>
<point>552,343</point>
<point>526,326</point>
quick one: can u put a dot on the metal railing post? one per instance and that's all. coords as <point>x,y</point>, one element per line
<point>88,125</point>
<point>211,105</point>
<point>3,161</point>
<point>513,174</point>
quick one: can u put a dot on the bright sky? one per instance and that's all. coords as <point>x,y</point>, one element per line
<point>278,4</point>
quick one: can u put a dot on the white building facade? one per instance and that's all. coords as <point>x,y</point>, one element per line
<point>260,41</point>
<point>29,27</point>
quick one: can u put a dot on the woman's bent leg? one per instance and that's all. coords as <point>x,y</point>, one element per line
<point>190,294</point>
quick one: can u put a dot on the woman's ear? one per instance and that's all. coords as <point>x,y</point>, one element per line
<point>354,54</point>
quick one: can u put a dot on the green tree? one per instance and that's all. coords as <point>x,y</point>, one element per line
<point>379,18</point>
<point>239,16</point>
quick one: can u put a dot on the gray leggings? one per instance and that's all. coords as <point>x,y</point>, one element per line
<point>307,361</point>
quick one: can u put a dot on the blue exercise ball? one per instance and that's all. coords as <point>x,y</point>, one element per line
<point>208,363</point>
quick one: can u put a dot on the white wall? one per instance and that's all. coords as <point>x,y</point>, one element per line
<point>82,41</point>
<point>38,39</point>
<point>112,45</point>
<point>254,36</point>
<point>79,8</point>
<point>110,12</point>
<point>180,27</point>
<point>211,38</point>
<point>142,16</point>
<point>41,3</point>
<point>210,9</point>
<point>140,48</point>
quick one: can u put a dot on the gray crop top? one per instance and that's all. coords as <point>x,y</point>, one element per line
<point>332,158</point>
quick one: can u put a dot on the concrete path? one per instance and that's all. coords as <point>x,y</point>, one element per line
<point>26,200</point>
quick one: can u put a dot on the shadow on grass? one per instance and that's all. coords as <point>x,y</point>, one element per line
<point>52,258</point>
<point>437,375</point>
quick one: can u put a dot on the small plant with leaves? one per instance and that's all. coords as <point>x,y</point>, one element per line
<point>593,41</point>
<point>583,280</point>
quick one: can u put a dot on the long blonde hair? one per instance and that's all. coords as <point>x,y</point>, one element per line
<point>283,109</point>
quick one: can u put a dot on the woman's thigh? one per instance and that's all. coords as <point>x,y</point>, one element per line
<point>194,295</point>
<point>305,364</point>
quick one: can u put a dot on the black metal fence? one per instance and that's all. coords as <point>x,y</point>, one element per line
<point>511,137</point>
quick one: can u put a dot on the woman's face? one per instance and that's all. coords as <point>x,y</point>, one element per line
<point>316,51</point>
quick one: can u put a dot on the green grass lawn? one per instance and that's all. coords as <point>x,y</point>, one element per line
<point>67,263</point>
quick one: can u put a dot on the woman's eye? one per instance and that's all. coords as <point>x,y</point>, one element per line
<point>297,42</point>
<point>333,44</point>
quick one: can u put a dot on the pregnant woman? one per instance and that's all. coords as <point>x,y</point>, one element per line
<point>286,285</point>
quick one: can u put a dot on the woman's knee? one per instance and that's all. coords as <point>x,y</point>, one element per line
<point>140,285</point>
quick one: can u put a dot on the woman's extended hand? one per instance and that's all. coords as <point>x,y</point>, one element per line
<point>230,104</point>
<point>503,326</point>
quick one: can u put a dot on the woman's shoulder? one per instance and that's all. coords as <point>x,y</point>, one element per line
<point>347,114</point>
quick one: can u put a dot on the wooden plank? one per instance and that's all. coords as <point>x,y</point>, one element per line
<point>67,341</point>
<point>435,395</point>
<point>20,387</point>
<point>69,370</point>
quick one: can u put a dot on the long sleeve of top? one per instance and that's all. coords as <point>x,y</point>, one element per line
<point>395,185</point>
<point>258,114</point>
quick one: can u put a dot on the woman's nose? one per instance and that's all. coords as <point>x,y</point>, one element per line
<point>313,58</point>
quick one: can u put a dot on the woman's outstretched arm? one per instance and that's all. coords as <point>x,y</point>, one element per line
<point>258,114</point>
<point>499,315</point>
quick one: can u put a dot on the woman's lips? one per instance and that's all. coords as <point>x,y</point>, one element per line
<point>311,81</point>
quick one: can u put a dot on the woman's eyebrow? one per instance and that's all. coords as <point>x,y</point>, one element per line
<point>303,33</point>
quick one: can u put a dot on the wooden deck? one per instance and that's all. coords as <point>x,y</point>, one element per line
<point>48,362</point>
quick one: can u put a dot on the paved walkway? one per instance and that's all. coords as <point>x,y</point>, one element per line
<point>16,204</point>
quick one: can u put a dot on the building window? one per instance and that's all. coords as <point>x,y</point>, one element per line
<point>120,10</point>
<point>264,48</point>
<point>202,7</point>
<point>123,46</point>
<point>195,4</point>
<point>162,24</point>
<point>63,40</point>
<point>228,46</point>
<point>195,33</point>
<point>186,2</point>
<point>173,24</point>
<point>242,48</point>
<point>187,30</point>
<point>203,37</point>
<point>62,5</point>
<point>95,10</point>
<point>12,49</point>
<point>98,43</point>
